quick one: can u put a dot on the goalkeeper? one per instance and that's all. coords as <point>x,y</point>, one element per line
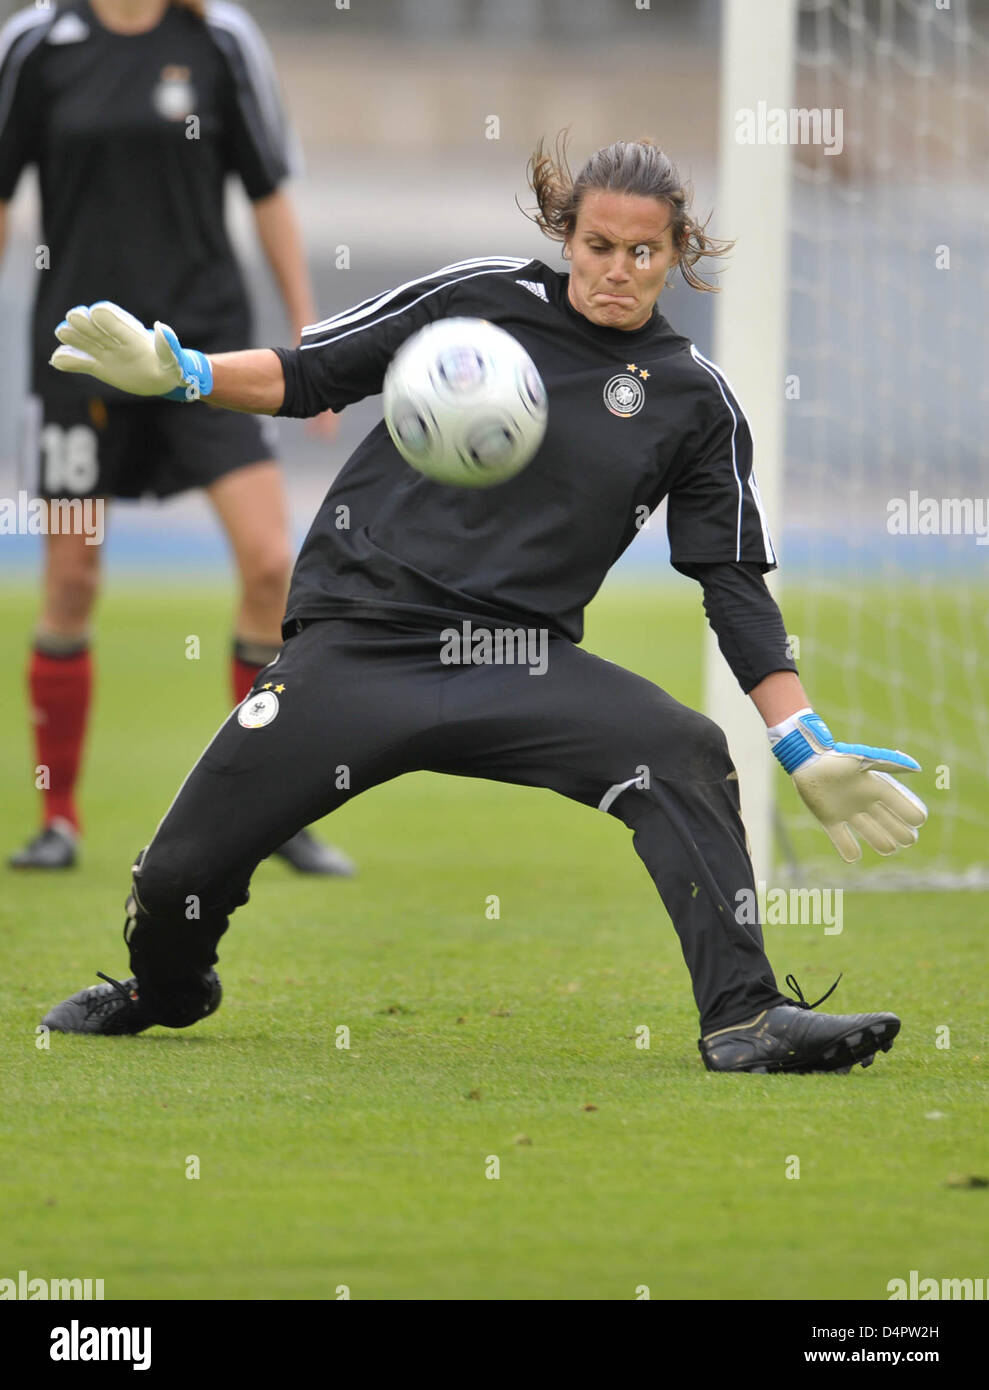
<point>636,414</point>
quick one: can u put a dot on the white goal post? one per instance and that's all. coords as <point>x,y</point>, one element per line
<point>752,207</point>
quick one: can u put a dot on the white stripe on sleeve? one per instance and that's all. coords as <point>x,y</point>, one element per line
<point>369,312</point>
<point>724,386</point>
<point>20,24</point>
<point>255,54</point>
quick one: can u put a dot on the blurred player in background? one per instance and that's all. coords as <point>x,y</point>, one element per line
<point>135,111</point>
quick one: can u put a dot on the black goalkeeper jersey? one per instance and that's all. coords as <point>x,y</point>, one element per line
<point>633,417</point>
<point>133,136</point>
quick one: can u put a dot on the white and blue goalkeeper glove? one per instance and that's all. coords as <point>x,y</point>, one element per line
<point>110,344</point>
<point>848,786</point>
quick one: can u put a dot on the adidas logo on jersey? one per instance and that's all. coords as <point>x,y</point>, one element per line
<point>69,29</point>
<point>534,287</point>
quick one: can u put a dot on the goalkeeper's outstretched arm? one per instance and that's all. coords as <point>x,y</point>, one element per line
<point>106,342</point>
<point>250,381</point>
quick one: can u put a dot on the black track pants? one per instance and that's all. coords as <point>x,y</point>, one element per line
<point>350,704</point>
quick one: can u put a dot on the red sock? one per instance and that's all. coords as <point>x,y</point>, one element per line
<point>242,675</point>
<point>60,688</point>
<point>247,659</point>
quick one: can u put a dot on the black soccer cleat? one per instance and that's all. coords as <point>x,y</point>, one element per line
<point>790,1037</point>
<point>114,1008</point>
<point>53,848</point>
<point>304,853</point>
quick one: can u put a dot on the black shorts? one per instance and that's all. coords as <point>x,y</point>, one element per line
<point>88,445</point>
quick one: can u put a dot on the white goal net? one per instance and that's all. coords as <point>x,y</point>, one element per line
<point>853,146</point>
<point>885,483</point>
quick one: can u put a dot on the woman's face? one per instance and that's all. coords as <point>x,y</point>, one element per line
<point>621,251</point>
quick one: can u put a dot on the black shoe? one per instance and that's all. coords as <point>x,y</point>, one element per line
<point>53,848</point>
<point>113,1008</point>
<point>789,1037</point>
<point>308,856</point>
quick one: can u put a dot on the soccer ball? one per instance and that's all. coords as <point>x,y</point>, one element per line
<point>464,403</point>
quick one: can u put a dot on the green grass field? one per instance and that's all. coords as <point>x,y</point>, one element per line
<point>469,1038</point>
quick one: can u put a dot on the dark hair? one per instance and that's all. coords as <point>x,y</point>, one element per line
<point>636,167</point>
<point>196,7</point>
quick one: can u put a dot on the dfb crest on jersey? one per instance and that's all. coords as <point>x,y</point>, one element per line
<point>624,395</point>
<point>174,97</point>
<point>258,710</point>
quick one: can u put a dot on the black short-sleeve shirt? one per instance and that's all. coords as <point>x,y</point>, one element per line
<point>134,136</point>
